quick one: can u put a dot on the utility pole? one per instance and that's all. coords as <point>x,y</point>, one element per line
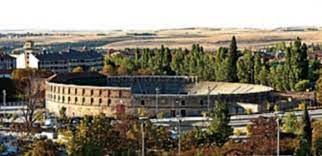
<point>142,120</point>
<point>157,90</point>
<point>4,100</point>
<point>179,133</point>
<point>208,100</point>
<point>142,130</point>
<point>278,137</point>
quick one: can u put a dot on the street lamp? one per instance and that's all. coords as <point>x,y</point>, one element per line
<point>279,116</point>
<point>157,90</point>
<point>142,120</point>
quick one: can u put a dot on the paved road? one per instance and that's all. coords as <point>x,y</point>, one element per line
<point>236,120</point>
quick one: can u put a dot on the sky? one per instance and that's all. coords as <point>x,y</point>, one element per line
<point>157,14</point>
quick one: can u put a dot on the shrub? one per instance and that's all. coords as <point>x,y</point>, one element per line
<point>302,85</point>
<point>249,111</point>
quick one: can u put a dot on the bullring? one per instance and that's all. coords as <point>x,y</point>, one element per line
<point>93,93</point>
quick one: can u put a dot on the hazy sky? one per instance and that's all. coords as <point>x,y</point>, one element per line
<point>156,14</point>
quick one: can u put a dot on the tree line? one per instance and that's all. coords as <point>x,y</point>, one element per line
<point>228,64</point>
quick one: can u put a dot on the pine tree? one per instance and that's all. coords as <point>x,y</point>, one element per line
<point>303,63</point>
<point>219,131</point>
<point>306,136</point>
<point>232,61</point>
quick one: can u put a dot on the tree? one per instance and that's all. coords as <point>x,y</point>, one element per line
<point>232,60</point>
<point>257,68</point>
<point>78,70</point>
<point>122,70</point>
<point>43,147</point>
<point>31,87</point>
<point>263,76</point>
<point>242,72</point>
<point>62,115</point>
<point>317,137</point>
<point>145,71</point>
<point>221,74</point>
<point>314,69</point>
<point>262,139</point>
<point>302,85</point>
<point>306,135</point>
<point>291,124</point>
<point>219,131</point>
<point>319,90</point>
<point>93,136</point>
<point>108,69</point>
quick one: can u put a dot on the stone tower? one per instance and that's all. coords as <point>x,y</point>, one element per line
<point>28,49</point>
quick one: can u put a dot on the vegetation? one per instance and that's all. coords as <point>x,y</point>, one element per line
<point>319,89</point>
<point>78,70</point>
<point>43,147</point>
<point>317,138</point>
<point>306,135</point>
<point>291,124</point>
<point>296,73</point>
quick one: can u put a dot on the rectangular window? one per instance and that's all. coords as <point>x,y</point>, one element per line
<point>183,113</point>
<point>173,113</point>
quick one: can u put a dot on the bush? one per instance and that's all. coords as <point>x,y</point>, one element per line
<point>249,111</point>
<point>302,85</point>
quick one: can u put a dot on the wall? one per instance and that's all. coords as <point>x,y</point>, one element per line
<point>87,100</point>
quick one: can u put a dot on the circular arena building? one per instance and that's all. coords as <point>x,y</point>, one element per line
<point>93,93</point>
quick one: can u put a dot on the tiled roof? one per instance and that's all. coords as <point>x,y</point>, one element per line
<point>69,54</point>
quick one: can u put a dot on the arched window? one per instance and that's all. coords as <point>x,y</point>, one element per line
<point>100,101</point>
<point>92,100</point>
<point>108,93</point>
<point>109,101</point>
<point>76,99</point>
<point>142,102</point>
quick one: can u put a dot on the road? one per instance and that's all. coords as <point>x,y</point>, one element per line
<point>235,120</point>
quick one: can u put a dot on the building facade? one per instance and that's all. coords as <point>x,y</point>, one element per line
<point>63,61</point>
<point>92,93</point>
<point>7,62</point>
